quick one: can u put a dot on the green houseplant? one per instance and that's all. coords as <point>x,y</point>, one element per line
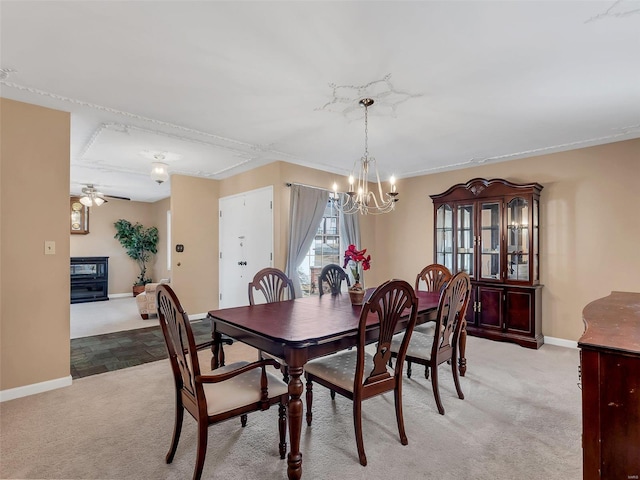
<point>140,243</point>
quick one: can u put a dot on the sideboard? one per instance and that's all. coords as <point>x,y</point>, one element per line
<point>89,279</point>
<point>610,380</point>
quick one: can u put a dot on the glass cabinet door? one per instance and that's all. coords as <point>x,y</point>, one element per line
<point>465,240</point>
<point>444,236</point>
<point>518,255</point>
<point>490,215</point>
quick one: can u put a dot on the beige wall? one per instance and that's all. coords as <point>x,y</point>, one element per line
<point>194,224</point>
<point>99,242</point>
<point>590,226</point>
<point>159,264</point>
<point>34,313</point>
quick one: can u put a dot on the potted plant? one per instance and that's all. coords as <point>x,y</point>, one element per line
<point>140,243</point>
<point>357,260</point>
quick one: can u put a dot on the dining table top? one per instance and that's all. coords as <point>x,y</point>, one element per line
<point>307,320</point>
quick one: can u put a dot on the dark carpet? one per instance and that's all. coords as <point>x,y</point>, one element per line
<point>113,351</point>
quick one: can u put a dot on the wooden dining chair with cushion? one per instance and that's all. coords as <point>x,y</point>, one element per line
<point>441,345</point>
<point>213,396</point>
<point>432,278</point>
<point>357,374</point>
<point>275,286</point>
<point>331,278</point>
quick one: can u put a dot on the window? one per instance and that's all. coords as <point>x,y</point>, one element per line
<point>324,250</point>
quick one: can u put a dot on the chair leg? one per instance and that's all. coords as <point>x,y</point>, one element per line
<point>309,401</point>
<point>436,390</point>
<point>456,379</point>
<point>462,360</point>
<point>333,394</point>
<point>177,428</point>
<point>282,427</point>
<point>243,420</point>
<point>399,417</point>
<point>285,374</point>
<point>357,423</point>
<point>202,449</point>
<point>408,369</point>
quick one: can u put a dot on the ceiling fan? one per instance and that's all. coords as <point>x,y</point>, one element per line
<point>92,197</point>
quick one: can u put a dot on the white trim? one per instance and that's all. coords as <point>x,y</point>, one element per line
<point>120,295</point>
<point>197,316</point>
<point>560,342</point>
<point>34,388</point>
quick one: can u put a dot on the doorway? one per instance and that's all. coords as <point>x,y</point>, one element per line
<point>246,242</point>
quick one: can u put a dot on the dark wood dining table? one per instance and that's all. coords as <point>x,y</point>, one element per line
<point>297,331</point>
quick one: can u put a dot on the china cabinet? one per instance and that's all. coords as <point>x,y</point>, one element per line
<point>491,230</point>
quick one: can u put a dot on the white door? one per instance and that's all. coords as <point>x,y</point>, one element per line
<point>246,242</point>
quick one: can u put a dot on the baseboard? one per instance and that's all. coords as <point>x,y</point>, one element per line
<point>34,388</point>
<point>197,316</point>
<point>120,295</point>
<point>560,342</point>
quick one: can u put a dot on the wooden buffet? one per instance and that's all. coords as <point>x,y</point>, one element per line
<point>610,377</point>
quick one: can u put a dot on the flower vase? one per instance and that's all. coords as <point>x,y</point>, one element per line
<point>356,293</point>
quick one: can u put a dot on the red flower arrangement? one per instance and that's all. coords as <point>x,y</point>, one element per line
<point>357,257</point>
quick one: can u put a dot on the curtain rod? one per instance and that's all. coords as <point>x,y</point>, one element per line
<point>289,184</point>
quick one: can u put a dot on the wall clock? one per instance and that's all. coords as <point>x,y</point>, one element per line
<point>79,217</point>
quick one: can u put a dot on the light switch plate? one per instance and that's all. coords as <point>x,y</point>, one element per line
<point>49,247</point>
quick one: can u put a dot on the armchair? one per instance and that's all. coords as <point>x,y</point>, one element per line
<point>146,300</point>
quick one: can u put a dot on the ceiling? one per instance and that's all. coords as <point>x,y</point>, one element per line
<point>223,87</point>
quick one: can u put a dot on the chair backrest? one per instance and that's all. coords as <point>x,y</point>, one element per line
<point>181,347</point>
<point>273,284</point>
<point>388,303</point>
<point>332,275</point>
<point>451,311</point>
<point>435,276</point>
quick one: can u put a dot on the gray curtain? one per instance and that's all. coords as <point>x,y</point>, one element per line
<point>307,209</point>
<point>350,232</point>
<point>350,228</point>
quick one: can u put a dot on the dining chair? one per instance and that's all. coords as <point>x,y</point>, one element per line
<point>275,286</point>
<point>213,396</point>
<point>441,345</point>
<point>432,278</point>
<point>358,374</point>
<point>332,275</point>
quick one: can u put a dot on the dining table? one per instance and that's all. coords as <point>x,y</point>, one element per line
<point>297,331</point>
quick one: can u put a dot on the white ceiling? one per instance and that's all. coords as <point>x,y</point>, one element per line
<point>223,87</point>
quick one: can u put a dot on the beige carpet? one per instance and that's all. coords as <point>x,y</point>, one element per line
<point>115,315</point>
<point>520,420</point>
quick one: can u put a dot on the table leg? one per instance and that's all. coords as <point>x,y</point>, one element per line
<point>294,411</point>
<point>462,349</point>
<point>217,357</point>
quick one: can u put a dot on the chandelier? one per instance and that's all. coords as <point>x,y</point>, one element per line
<point>359,198</point>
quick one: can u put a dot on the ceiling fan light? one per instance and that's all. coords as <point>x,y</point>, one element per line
<point>159,172</point>
<point>86,201</point>
<point>99,201</point>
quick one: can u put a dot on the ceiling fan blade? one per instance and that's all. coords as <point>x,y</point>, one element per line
<point>116,197</point>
